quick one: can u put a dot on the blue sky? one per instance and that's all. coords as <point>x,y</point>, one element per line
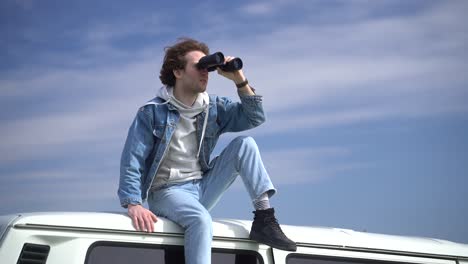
<point>366,104</point>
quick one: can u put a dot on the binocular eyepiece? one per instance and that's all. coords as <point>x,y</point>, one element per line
<point>215,60</point>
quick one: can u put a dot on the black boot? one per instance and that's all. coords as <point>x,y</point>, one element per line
<point>266,230</point>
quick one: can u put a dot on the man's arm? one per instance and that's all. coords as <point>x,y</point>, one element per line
<point>137,147</point>
<point>241,116</point>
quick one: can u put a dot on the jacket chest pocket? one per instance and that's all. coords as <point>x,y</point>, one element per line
<point>211,136</point>
<point>158,133</point>
<point>212,129</point>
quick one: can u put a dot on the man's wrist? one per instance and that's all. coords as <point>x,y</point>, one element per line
<point>242,83</point>
<point>238,77</point>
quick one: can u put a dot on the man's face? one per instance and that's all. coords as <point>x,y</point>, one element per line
<point>191,79</point>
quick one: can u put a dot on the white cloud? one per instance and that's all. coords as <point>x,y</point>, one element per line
<point>271,7</point>
<point>324,75</point>
<point>96,106</point>
<point>105,33</point>
<point>66,190</point>
<point>308,165</point>
<point>25,4</point>
<point>306,120</point>
<point>396,66</point>
<point>259,8</point>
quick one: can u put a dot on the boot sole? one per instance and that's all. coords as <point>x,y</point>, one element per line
<point>271,244</point>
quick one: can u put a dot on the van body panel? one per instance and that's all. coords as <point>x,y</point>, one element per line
<point>345,238</point>
<point>71,236</point>
<point>351,256</point>
<point>5,224</point>
<point>121,222</point>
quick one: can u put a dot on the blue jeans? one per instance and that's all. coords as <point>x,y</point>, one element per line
<point>188,204</point>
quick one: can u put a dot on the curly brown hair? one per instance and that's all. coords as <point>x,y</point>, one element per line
<point>175,58</point>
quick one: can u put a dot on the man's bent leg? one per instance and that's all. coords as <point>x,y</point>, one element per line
<point>240,157</point>
<point>180,204</point>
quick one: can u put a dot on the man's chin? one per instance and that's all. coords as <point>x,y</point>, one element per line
<point>202,89</point>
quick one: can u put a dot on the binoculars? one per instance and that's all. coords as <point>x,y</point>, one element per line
<point>215,60</point>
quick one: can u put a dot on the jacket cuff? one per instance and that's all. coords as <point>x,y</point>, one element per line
<point>251,99</point>
<point>126,201</point>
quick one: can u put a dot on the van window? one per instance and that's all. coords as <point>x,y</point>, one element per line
<point>308,259</point>
<point>126,253</point>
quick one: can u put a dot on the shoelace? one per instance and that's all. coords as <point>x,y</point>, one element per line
<point>274,223</point>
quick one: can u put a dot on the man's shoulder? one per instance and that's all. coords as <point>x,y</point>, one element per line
<point>156,100</point>
<point>152,105</point>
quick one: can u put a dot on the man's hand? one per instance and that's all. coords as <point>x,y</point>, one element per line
<point>142,218</point>
<point>236,77</point>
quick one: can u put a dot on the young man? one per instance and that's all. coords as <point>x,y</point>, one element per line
<point>166,158</point>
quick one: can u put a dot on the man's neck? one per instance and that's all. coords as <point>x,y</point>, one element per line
<point>186,98</point>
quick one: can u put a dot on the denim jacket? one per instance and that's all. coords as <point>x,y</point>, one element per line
<point>153,127</point>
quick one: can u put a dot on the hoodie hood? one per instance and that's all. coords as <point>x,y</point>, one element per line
<point>200,105</point>
<point>167,94</point>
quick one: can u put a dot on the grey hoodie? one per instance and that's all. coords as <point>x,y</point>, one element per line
<point>180,162</point>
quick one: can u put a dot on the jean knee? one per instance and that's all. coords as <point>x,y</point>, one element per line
<point>201,221</point>
<point>246,142</point>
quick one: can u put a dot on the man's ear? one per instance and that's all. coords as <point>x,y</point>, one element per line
<point>177,73</point>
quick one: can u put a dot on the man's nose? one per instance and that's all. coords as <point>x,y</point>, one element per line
<point>203,71</point>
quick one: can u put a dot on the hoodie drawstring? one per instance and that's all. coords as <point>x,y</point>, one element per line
<point>203,130</point>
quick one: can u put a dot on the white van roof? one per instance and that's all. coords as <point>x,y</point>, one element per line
<point>239,229</point>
